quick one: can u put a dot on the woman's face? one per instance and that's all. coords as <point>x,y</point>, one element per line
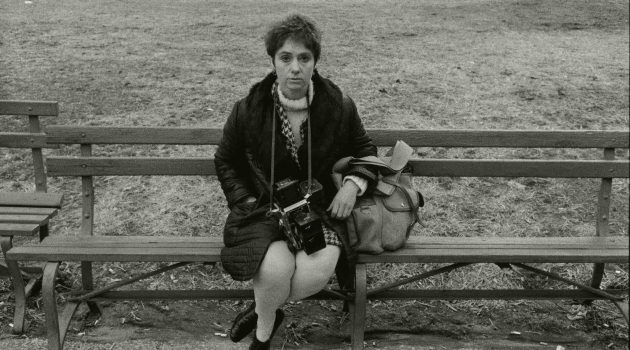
<point>294,65</point>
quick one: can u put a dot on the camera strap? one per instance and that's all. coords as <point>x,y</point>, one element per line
<point>273,158</point>
<point>273,152</point>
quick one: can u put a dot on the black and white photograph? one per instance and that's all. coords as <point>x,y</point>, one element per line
<point>325,174</point>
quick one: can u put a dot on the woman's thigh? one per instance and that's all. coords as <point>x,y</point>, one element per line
<point>320,265</point>
<point>277,266</point>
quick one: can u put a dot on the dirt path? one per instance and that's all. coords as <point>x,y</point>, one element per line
<point>202,325</point>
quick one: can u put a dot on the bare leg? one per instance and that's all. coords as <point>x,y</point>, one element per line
<point>272,284</point>
<point>312,272</point>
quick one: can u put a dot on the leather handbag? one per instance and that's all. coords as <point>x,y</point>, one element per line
<point>383,218</point>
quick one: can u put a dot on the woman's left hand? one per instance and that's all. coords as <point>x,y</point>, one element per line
<point>341,206</point>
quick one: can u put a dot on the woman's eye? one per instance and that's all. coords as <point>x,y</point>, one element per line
<point>285,58</point>
<point>305,58</point>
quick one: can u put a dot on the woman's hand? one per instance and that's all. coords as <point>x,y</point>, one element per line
<point>341,206</point>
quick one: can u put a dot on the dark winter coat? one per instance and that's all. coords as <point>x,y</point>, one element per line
<point>243,161</point>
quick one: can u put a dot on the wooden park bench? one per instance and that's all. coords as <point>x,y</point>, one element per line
<point>87,247</point>
<point>25,213</point>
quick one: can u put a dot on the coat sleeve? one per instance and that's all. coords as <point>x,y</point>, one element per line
<point>360,143</point>
<point>230,161</point>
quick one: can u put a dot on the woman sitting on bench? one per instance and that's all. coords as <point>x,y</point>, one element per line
<point>284,229</point>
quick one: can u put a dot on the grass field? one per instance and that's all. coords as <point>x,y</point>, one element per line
<point>426,64</point>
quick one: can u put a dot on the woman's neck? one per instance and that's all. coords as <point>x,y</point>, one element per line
<point>299,103</point>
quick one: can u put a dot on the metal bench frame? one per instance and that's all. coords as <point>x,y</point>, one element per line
<point>86,166</point>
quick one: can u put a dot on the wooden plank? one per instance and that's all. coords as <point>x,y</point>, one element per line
<point>23,219</point>
<point>38,253</point>
<point>122,242</point>
<point>505,294</point>
<point>41,108</point>
<point>359,307</point>
<point>556,241</point>
<point>381,137</point>
<point>87,203</point>
<point>61,240</point>
<point>83,166</point>
<point>414,242</point>
<point>24,140</point>
<point>500,256</point>
<point>464,255</point>
<point>502,138</point>
<point>30,199</point>
<point>520,168</point>
<point>18,229</point>
<point>38,157</point>
<point>603,211</point>
<point>28,210</point>
<point>133,135</point>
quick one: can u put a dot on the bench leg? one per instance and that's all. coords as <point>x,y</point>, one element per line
<point>88,284</point>
<point>50,305</point>
<point>18,286</point>
<point>359,308</point>
<point>623,307</point>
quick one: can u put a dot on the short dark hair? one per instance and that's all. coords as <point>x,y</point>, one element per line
<point>298,28</point>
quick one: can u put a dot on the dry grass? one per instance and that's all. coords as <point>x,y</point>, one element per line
<point>485,64</point>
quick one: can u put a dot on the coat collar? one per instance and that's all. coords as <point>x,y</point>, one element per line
<point>325,114</point>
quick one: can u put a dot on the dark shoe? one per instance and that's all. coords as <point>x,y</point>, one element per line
<point>257,344</point>
<point>244,323</point>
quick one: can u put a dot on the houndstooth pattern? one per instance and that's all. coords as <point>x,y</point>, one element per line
<point>285,127</point>
<point>331,237</point>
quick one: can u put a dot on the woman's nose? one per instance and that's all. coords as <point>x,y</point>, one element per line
<point>295,66</point>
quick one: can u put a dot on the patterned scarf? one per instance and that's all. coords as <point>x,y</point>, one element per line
<point>286,126</point>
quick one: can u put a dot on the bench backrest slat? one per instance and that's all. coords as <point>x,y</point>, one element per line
<point>381,137</point>
<point>84,166</point>
<point>133,135</point>
<point>24,140</point>
<point>93,166</point>
<point>40,108</point>
<point>502,138</point>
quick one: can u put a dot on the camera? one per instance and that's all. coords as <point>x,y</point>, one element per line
<point>299,223</point>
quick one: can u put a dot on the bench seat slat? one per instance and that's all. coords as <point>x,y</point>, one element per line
<point>28,210</point>
<point>107,254</point>
<point>23,218</point>
<point>452,249</point>
<point>30,199</point>
<point>18,229</point>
